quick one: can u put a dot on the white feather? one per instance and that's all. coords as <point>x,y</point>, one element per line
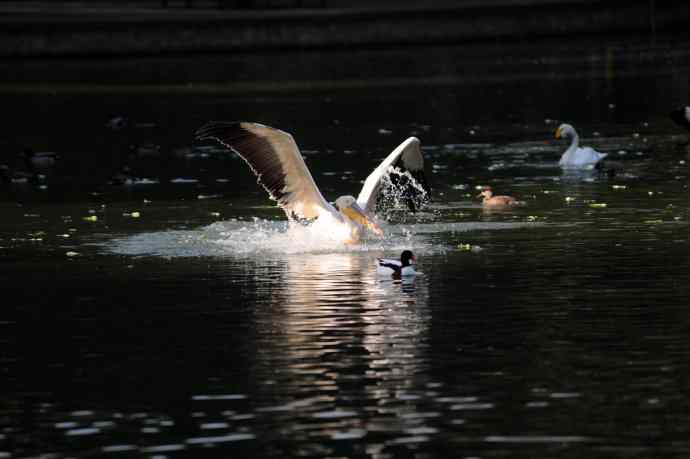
<point>410,153</point>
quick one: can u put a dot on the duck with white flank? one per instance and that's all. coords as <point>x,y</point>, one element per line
<point>275,159</point>
<point>576,157</point>
<point>681,116</point>
<point>396,269</point>
<point>489,200</point>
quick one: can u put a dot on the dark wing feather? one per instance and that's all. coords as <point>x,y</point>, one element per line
<point>276,161</point>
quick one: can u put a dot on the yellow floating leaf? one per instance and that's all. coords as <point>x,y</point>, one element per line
<point>90,218</point>
<point>597,205</point>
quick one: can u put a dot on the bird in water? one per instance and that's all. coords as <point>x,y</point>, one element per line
<point>681,116</point>
<point>276,160</point>
<point>39,161</point>
<point>397,269</point>
<point>489,200</point>
<point>576,157</point>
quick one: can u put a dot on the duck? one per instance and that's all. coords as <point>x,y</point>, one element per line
<point>489,200</point>
<point>405,267</point>
<point>576,157</point>
<point>681,116</point>
<point>116,122</point>
<point>39,161</point>
<point>10,176</point>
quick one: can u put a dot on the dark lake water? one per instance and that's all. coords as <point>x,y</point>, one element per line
<point>175,315</point>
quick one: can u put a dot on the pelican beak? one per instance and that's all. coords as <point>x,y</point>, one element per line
<point>355,213</point>
<point>558,133</point>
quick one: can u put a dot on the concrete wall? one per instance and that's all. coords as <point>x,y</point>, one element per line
<point>203,31</point>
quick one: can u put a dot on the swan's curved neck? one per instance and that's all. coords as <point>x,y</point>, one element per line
<point>574,142</point>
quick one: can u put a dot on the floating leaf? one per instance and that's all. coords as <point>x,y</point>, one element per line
<point>597,205</point>
<point>72,254</point>
<point>91,218</point>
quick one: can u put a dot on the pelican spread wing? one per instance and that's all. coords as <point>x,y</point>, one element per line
<point>276,161</point>
<point>407,157</point>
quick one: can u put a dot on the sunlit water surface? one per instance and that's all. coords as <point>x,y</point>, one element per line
<point>178,315</point>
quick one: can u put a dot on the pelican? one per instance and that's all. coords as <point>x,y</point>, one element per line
<point>275,159</point>
<point>681,116</point>
<point>489,200</point>
<point>576,157</point>
<point>398,268</point>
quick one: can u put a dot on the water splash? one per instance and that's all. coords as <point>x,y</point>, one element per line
<point>248,238</point>
<point>401,190</point>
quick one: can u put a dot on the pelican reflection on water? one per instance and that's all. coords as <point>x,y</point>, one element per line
<point>275,159</point>
<point>330,311</point>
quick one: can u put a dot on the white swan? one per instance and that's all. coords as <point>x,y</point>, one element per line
<point>576,157</point>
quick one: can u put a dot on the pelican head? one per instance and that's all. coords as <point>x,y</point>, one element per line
<point>348,207</point>
<point>565,130</point>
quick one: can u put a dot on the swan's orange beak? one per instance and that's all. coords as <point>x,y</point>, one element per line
<point>558,133</point>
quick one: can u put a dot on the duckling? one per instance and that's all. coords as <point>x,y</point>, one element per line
<point>489,200</point>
